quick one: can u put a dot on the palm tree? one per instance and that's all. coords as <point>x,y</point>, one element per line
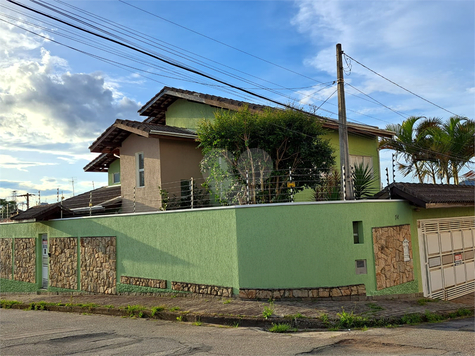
<point>413,143</point>
<point>453,143</point>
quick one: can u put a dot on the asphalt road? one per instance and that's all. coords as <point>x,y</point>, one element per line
<point>53,333</point>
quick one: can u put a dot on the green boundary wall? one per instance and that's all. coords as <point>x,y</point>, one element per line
<point>300,245</point>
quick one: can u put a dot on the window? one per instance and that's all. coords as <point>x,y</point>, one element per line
<point>357,232</point>
<point>139,161</point>
<point>116,178</point>
<point>367,161</point>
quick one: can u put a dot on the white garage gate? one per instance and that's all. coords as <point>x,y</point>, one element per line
<point>446,248</point>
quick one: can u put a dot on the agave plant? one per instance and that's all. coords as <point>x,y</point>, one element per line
<point>363,181</point>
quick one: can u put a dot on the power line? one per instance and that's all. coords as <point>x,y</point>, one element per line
<point>220,42</point>
<point>396,84</point>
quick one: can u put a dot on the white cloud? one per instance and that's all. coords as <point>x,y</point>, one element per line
<point>414,43</point>
<point>10,162</point>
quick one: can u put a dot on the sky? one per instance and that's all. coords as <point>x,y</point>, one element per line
<point>60,88</point>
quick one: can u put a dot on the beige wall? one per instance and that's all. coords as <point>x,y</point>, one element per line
<point>148,197</point>
<point>180,160</point>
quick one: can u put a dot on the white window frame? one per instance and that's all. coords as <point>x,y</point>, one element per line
<point>366,160</point>
<point>140,171</point>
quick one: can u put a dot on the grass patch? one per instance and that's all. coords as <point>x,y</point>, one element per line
<point>227,301</point>
<point>174,309</point>
<point>109,306</point>
<point>133,310</point>
<point>157,309</point>
<point>433,317</point>
<point>411,319</point>
<point>282,328</point>
<point>461,312</point>
<point>295,316</point>
<point>374,306</point>
<point>424,301</point>
<point>7,304</point>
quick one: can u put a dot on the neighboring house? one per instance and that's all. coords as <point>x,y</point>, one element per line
<point>105,200</point>
<point>162,148</point>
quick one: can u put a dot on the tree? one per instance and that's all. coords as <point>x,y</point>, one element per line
<point>433,148</point>
<point>250,157</point>
<point>8,207</point>
<point>411,141</point>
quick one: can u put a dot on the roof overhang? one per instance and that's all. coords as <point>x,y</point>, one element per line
<point>156,108</point>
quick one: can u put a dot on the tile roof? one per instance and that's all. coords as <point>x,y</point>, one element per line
<point>105,197</point>
<point>156,107</point>
<point>115,134</point>
<point>431,195</point>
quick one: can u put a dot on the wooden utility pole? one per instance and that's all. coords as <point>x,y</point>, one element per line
<point>27,195</point>
<point>342,129</point>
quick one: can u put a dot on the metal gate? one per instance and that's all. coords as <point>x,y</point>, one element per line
<point>446,248</point>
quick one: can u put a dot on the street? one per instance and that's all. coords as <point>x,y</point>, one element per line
<point>53,333</point>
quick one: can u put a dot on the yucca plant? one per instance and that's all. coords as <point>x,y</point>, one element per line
<point>363,181</point>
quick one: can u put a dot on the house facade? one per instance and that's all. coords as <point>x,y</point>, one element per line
<point>162,149</point>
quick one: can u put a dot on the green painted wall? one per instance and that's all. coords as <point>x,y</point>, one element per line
<point>187,114</point>
<point>183,246</point>
<point>311,245</point>
<point>358,145</point>
<point>113,168</point>
<point>267,246</point>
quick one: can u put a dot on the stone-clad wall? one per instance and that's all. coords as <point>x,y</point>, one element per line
<point>63,263</point>
<point>144,282</point>
<point>202,289</point>
<point>330,292</point>
<point>391,270</point>
<point>98,264</point>
<point>6,262</point>
<point>25,260</point>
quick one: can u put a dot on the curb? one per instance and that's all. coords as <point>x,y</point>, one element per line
<point>227,320</point>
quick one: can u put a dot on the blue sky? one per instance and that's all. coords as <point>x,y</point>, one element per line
<point>55,101</point>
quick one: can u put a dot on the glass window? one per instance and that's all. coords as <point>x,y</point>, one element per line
<point>140,169</point>
<point>116,177</point>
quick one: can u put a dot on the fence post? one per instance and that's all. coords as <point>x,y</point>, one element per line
<point>191,191</point>
<point>247,187</point>
<point>343,182</point>
<point>291,188</point>
<point>394,166</point>
<point>387,181</point>
<point>90,203</point>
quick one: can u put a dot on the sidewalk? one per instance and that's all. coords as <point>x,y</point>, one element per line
<point>233,311</point>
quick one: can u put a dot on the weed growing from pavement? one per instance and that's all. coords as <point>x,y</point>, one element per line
<point>350,320</point>
<point>7,304</point>
<point>282,328</point>
<point>227,301</point>
<point>135,309</point>
<point>374,306</point>
<point>424,301</point>
<point>109,306</point>
<point>411,319</point>
<point>179,318</point>
<point>197,323</point>
<point>157,309</point>
<point>268,311</point>
<point>294,316</point>
<point>174,309</point>
<point>433,317</point>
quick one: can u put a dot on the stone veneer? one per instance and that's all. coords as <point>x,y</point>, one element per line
<point>144,282</point>
<point>345,291</point>
<point>63,263</point>
<point>202,289</point>
<point>6,261</point>
<point>391,270</point>
<point>98,265</point>
<point>25,260</point>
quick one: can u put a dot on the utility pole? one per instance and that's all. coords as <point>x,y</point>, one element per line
<point>342,128</point>
<point>27,195</point>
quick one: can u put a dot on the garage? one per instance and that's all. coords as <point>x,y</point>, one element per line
<point>446,248</point>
